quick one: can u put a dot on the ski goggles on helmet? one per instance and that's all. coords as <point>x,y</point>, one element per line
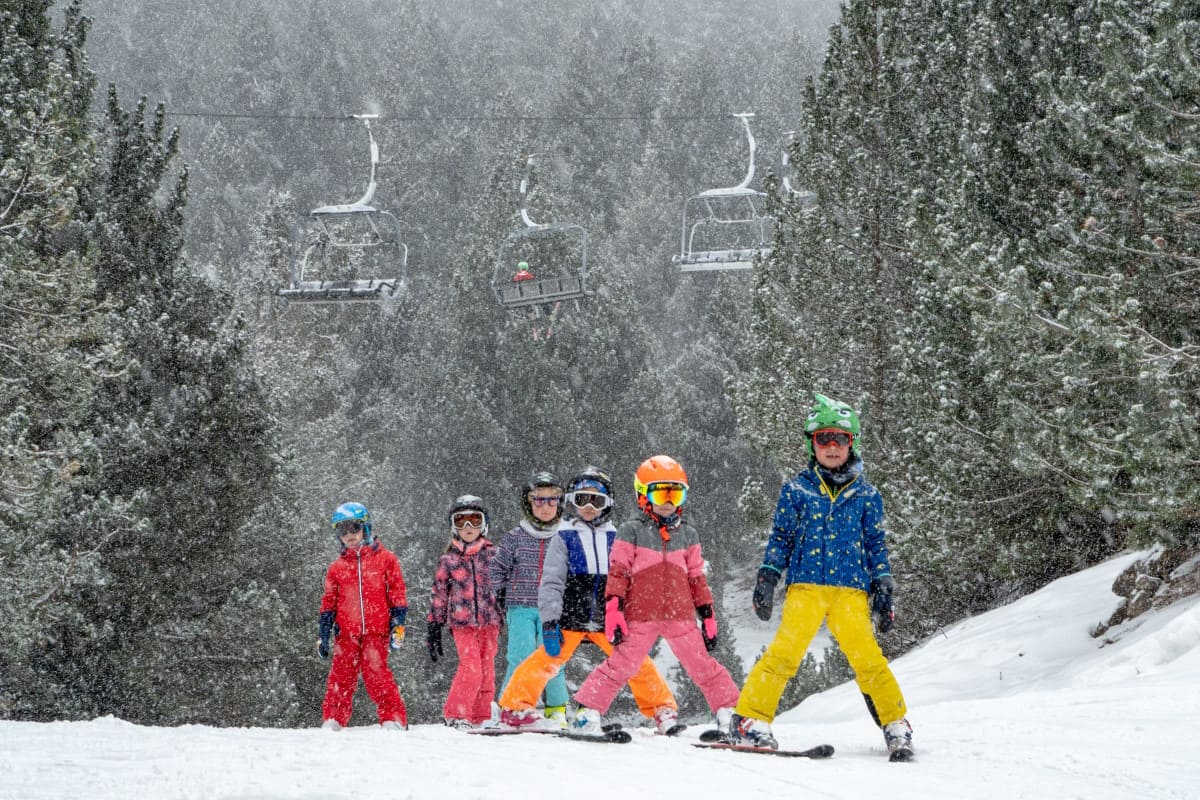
<point>466,519</point>
<point>827,437</point>
<point>596,500</point>
<point>661,494</point>
<point>349,526</point>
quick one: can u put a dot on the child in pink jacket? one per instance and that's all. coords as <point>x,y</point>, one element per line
<point>656,587</point>
<point>465,601</point>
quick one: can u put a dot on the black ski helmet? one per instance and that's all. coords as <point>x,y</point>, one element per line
<point>593,479</point>
<point>467,502</point>
<point>541,480</point>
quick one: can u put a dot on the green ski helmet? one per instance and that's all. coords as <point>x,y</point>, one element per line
<point>829,413</point>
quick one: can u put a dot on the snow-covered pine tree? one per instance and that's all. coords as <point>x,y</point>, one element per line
<point>55,350</point>
<point>830,302</point>
<point>188,439</point>
<point>1121,297</point>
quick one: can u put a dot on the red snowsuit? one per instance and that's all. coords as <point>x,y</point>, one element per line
<point>362,586</point>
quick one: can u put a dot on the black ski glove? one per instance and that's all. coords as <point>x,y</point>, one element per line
<point>883,613</point>
<point>325,634</point>
<point>764,592</point>
<point>433,640</point>
<point>397,617</point>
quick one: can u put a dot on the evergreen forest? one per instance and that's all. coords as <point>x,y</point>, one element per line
<point>985,221</point>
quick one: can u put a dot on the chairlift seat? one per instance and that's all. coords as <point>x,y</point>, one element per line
<point>352,291</point>
<point>519,294</point>
<point>343,208</point>
<point>732,191</point>
<point>716,260</point>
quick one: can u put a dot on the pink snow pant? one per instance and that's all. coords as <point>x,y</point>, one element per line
<point>368,653</point>
<point>474,684</point>
<point>684,638</point>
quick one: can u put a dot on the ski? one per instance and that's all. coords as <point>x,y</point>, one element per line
<point>674,730</point>
<point>608,729</point>
<point>820,751</point>
<point>615,736</point>
<point>507,731</point>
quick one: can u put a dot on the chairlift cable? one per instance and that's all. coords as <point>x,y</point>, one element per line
<point>468,117</point>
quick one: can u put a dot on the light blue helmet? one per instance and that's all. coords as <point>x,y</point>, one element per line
<point>352,511</point>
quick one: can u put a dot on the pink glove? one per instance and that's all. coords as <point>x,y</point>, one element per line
<point>708,626</point>
<point>615,628</point>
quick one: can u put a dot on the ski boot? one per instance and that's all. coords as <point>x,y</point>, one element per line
<point>750,732</point>
<point>898,736</point>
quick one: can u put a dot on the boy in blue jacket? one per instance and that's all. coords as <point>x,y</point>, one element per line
<point>828,536</point>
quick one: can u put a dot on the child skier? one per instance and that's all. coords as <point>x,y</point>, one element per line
<point>362,615</point>
<point>516,572</point>
<point>463,598</point>
<point>571,605</point>
<point>656,587</point>
<point>828,535</point>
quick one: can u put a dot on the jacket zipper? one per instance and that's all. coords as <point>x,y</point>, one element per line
<point>362,603</point>
<point>596,580</point>
<point>475,594</point>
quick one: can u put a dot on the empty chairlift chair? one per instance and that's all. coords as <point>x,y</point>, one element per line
<point>351,252</point>
<point>725,229</point>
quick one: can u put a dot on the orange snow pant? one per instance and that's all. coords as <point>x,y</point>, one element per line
<point>848,616</point>
<point>531,676</point>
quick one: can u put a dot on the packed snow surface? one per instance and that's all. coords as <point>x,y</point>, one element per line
<point>1020,702</point>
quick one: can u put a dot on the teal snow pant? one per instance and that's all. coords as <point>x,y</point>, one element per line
<point>525,636</point>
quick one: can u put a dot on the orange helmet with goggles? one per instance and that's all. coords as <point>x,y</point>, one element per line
<point>660,480</point>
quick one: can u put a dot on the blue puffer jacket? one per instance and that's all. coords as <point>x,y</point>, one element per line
<point>828,537</point>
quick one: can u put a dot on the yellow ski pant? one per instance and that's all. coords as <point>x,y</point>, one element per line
<point>649,689</point>
<point>846,613</point>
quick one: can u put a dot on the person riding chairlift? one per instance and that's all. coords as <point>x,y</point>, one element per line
<point>549,309</point>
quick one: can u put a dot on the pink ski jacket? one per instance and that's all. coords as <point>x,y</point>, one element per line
<point>659,577</point>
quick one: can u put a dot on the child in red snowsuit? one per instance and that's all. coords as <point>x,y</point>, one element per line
<point>362,616</point>
<point>464,599</point>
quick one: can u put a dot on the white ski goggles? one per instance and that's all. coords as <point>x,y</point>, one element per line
<point>583,498</point>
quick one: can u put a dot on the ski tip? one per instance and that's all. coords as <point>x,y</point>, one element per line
<point>616,736</point>
<point>901,757</point>
<point>820,751</point>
